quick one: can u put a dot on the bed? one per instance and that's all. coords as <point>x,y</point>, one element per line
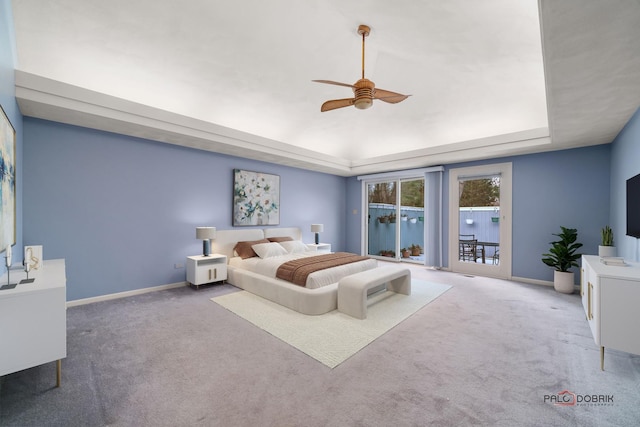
<point>257,275</point>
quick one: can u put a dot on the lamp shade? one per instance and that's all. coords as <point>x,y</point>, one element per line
<point>205,233</point>
<point>317,228</point>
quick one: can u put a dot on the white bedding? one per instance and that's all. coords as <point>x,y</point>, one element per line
<point>269,266</point>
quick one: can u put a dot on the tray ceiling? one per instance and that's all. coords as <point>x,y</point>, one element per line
<point>487,79</point>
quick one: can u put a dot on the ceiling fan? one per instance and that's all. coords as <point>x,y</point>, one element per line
<point>364,89</point>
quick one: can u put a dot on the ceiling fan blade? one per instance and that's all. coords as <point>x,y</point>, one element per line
<point>330,82</point>
<point>388,96</point>
<point>337,103</point>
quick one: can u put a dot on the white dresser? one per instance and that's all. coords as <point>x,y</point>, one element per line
<point>611,301</point>
<point>33,320</point>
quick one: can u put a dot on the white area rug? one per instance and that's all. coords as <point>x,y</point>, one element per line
<point>333,337</point>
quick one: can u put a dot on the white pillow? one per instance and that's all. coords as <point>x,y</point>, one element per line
<point>294,246</point>
<point>267,250</point>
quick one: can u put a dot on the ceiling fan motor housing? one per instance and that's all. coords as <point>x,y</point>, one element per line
<point>363,90</point>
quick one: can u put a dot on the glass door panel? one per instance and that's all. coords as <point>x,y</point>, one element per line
<point>395,227</point>
<point>412,220</point>
<point>479,220</point>
<point>382,221</point>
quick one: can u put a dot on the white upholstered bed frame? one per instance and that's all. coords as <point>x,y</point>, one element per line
<point>298,298</point>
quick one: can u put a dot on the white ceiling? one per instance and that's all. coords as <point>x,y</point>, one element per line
<point>235,77</point>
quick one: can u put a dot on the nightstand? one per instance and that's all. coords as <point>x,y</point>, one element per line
<point>206,269</point>
<point>319,247</point>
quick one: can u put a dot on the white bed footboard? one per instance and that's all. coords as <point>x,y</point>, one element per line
<point>298,298</point>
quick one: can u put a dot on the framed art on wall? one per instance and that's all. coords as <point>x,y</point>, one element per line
<point>256,198</point>
<point>7,182</point>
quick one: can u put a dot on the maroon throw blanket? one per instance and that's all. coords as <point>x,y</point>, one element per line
<point>297,270</point>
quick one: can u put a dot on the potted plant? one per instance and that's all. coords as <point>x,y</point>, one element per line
<point>606,248</point>
<point>562,256</point>
<point>392,218</point>
<point>415,250</point>
<point>383,219</point>
<point>405,253</point>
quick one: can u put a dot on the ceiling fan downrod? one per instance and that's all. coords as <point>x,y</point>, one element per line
<point>364,31</point>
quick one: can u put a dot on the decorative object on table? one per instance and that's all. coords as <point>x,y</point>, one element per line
<point>562,256</point>
<point>7,182</point>
<point>27,268</point>
<point>317,228</point>
<point>33,258</point>
<point>206,234</point>
<point>7,263</point>
<point>256,198</point>
<point>606,247</point>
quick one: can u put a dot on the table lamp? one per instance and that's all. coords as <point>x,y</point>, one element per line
<point>317,228</point>
<point>206,234</point>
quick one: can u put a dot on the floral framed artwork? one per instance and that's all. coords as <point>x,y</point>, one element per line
<point>7,181</point>
<point>256,198</point>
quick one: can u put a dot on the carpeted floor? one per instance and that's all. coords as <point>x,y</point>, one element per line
<point>333,337</point>
<point>486,352</point>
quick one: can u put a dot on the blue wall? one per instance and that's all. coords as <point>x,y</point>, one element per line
<point>625,160</point>
<point>568,188</point>
<point>123,210</point>
<point>10,106</point>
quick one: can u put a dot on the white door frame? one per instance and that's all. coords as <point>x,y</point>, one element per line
<point>503,269</point>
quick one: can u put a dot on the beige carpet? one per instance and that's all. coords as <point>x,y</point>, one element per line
<point>333,337</point>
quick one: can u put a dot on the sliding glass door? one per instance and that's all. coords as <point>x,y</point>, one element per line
<point>395,222</point>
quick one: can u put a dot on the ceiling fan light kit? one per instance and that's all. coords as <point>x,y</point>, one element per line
<point>363,103</point>
<point>364,89</point>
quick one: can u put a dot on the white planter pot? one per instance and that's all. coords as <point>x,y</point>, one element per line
<point>606,251</point>
<point>563,281</point>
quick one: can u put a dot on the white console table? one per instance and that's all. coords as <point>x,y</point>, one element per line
<point>610,297</point>
<point>33,320</point>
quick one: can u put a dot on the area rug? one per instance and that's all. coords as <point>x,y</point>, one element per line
<point>333,337</point>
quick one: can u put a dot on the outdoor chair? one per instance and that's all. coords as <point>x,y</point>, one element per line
<point>468,247</point>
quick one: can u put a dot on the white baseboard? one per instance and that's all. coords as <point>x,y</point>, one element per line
<point>532,281</point>
<point>124,294</point>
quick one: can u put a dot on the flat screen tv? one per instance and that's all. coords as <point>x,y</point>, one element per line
<point>633,206</point>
